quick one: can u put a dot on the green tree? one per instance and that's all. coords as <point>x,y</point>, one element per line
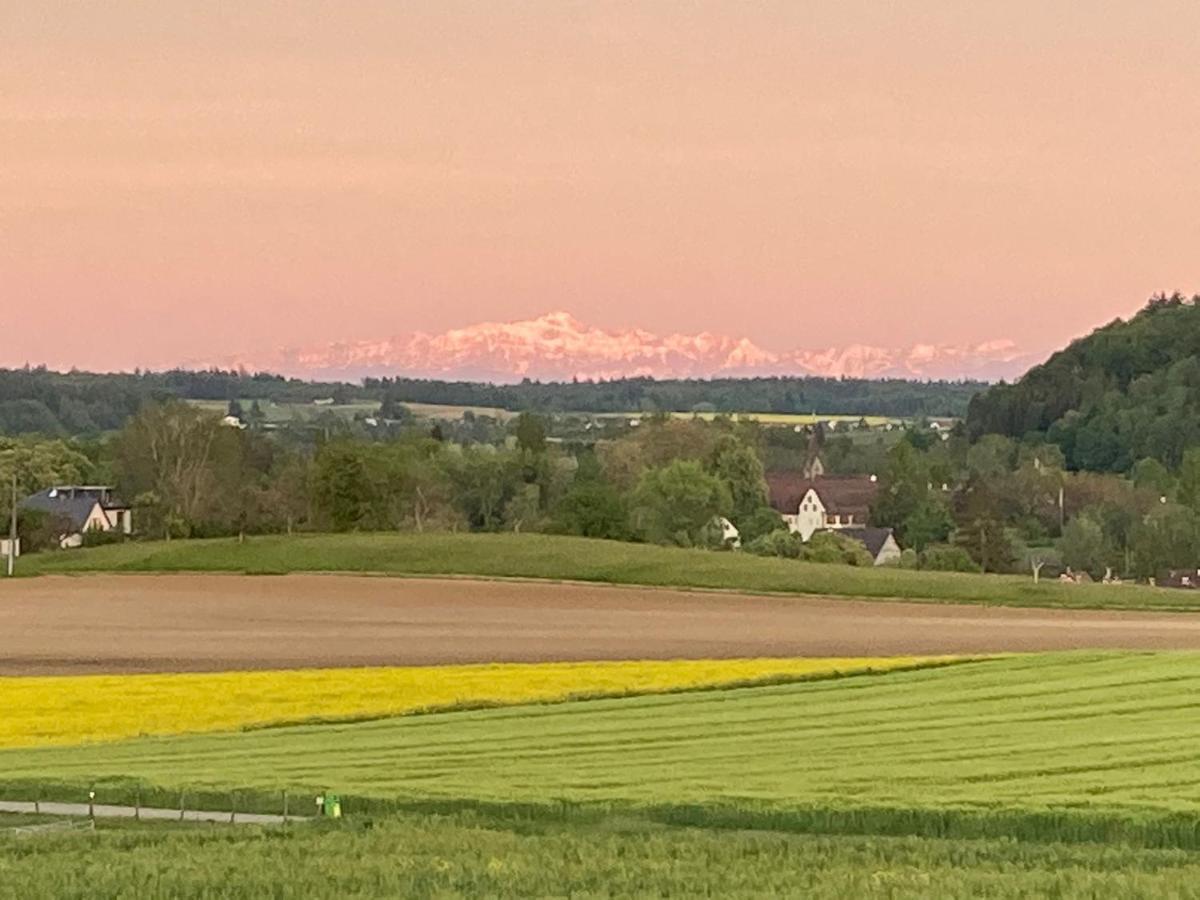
<point>763,521</point>
<point>1085,547</point>
<point>1187,491</point>
<point>677,503</point>
<point>1168,538</point>
<point>342,487</point>
<point>531,433</point>
<point>40,464</point>
<point>1151,475</point>
<point>930,523</point>
<point>164,456</point>
<point>740,468</point>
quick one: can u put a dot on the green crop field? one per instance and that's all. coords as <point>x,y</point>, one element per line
<point>1051,747</point>
<point>582,559</point>
<point>1062,775</point>
<point>482,856</point>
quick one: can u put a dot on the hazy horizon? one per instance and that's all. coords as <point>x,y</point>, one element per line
<point>189,184</point>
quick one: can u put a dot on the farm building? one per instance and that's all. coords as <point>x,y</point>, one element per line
<point>80,509</point>
<point>827,502</point>
<point>840,503</point>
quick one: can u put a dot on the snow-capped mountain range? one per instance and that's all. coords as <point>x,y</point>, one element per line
<point>557,346</point>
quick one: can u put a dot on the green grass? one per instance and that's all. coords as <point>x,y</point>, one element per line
<point>580,559</point>
<point>1088,746</point>
<point>469,855</point>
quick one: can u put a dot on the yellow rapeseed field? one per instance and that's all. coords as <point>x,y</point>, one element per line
<point>42,711</point>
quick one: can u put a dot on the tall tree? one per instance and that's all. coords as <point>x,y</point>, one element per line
<point>162,460</point>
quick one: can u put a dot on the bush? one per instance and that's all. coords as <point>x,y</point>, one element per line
<point>761,523</point>
<point>831,547</point>
<point>39,530</point>
<point>781,543</point>
<point>945,558</point>
<point>97,538</point>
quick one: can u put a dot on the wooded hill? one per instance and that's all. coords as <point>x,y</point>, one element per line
<point>1127,392</point>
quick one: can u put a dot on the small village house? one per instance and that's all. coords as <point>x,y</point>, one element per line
<point>80,509</point>
<point>840,503</point>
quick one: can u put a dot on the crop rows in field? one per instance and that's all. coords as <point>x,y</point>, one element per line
<point>1099,731</point>
<point>469,855</point>
<point>45,711</point>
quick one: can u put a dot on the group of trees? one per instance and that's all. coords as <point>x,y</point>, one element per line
<point>779,394</point>
<point>1015,506</point>
<point>1127,392</point>
<point>189,475</point>
<point>42,402</point>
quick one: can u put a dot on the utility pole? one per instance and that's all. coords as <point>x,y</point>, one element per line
<point>12,526</point>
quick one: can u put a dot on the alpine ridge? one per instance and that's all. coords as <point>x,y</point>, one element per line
<point>557,346</point>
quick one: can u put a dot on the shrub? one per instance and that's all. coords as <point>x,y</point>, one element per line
<point>781,543</point>
<point>831,547</point>
<point>946,558</point>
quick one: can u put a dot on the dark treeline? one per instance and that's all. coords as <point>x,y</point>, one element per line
<point>39,401</point>
<point>850,396</point>
<point>1128,392</point>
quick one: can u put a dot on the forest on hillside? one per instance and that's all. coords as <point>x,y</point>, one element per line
<point>1127,393</point>
<point>39,401</point>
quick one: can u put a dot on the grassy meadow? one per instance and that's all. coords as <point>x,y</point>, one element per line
<point>473,855</point>
<point>539,556</point>
<point>71,710</point>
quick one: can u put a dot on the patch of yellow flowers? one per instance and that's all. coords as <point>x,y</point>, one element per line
<point>43,711</point>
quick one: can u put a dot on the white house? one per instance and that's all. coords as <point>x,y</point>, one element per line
<point>730,536</point>
<point>839,503</point>
<point>80,509</point>
<point>830,501</point>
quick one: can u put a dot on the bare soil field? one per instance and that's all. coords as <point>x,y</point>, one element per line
<point>158,623</point>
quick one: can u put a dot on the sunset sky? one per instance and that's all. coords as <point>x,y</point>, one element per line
<point>183,180</point>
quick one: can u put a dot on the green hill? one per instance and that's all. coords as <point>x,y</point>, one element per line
<point>1128,391</point>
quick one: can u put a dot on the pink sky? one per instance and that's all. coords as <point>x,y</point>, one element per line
<point>185,180</point>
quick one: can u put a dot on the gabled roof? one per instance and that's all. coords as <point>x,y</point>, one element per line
<point>871,538</point>
<point>844,495</point>
<point>74,507</point>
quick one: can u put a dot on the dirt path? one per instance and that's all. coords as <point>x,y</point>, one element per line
<point>108,811</point>
<point>148,623</point>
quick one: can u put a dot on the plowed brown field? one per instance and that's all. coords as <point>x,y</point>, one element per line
<point>157,623</point>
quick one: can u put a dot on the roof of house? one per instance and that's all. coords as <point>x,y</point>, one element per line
<point>871,538</point>
<point>844,495</point>
<point>74,507</point>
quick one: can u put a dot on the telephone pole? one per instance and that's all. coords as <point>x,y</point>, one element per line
<point>12,526</point>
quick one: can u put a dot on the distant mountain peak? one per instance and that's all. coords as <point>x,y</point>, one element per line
<point>558,346</point>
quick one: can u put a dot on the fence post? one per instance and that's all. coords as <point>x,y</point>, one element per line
<point>285,808</point>
<point>232,806</point>
<point>37,801</point>
<point>182,793</point>
<point>92,806</point>
<point>137,804</point>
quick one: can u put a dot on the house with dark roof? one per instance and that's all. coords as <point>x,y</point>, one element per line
<point>80,509</point>
<point>839,503</point>
<point>880,543</point>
